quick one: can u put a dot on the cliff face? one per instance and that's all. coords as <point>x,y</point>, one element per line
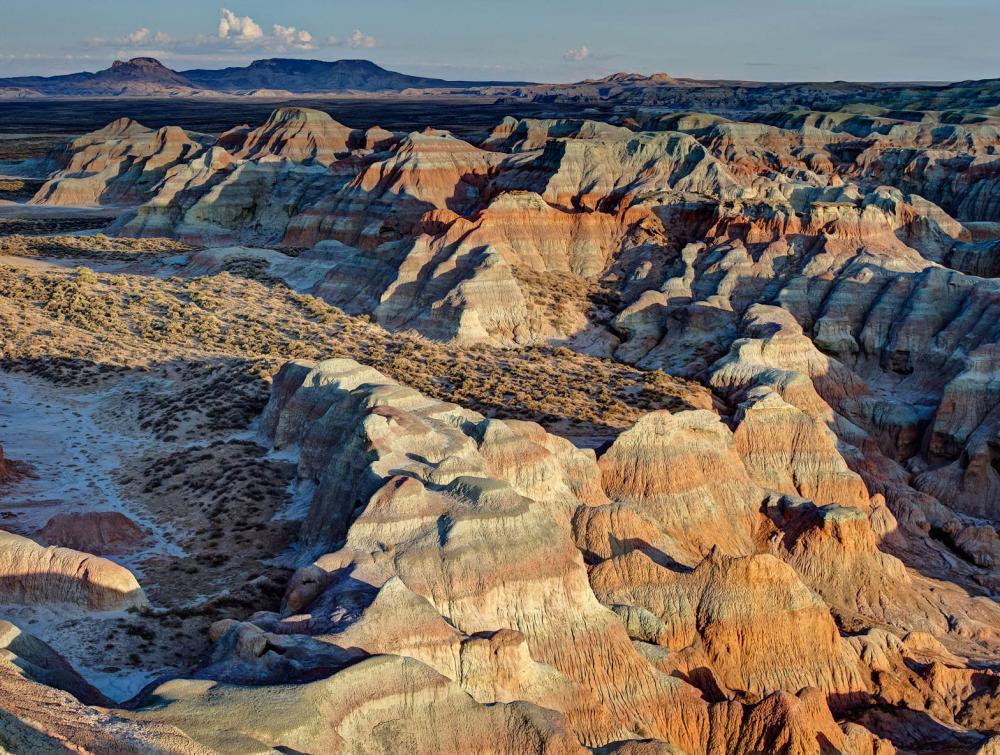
<point>455,551</point>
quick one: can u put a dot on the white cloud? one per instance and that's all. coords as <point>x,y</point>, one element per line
<point>238,28</point>
<point>291,37</point>
<point>235,34</point>
<point>359,39</point>
<point>138,38</point>
<point>576,54</point>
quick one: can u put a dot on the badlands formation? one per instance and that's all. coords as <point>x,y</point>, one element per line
<point>666,434</point>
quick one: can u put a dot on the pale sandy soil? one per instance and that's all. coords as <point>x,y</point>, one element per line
<point>74,448</point>
<point>87,453</point>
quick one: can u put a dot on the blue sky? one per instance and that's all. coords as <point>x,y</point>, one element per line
<point>542,40</point>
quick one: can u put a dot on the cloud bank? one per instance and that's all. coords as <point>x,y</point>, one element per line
<point>235,34</point>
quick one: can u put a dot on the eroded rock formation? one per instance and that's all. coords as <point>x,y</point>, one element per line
<point>807,564</point>
<point>513,567</point>
<point>33,574</point>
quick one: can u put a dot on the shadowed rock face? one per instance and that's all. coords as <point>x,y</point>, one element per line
<point>7,472</point>
<point>807,564</point>
<point>46,707</point>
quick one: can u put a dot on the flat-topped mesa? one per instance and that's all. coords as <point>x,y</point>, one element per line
<point>298,134</point>
<point>630,78</point>
<point>145,68</point>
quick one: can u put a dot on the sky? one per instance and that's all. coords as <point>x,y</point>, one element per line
<point>534,40</point>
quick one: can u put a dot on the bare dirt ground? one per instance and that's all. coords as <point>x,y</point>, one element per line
<point>40,221</point>
<point>76,116</point>
<point>207,511</point>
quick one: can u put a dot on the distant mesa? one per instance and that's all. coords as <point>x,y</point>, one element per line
<point>285,78</point>
<point>136,77</point>
<point>633,79</point>
<point>262,78</point>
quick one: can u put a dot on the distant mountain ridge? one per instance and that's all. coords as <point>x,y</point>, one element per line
<point>139,76</point>
<point>286,78</point>
<point>149,77</point>
<point>305,76</point>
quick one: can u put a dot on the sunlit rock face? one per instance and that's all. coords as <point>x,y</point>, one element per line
<point>297,134</point>
<point>496,566</point>
<point>512,567</point>
<point>119,164</point>
<point>33,574</point>
<point>805,564</point>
